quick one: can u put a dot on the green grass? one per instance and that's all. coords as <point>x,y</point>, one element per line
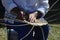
<point>54,32</point>
<point>53,35</point>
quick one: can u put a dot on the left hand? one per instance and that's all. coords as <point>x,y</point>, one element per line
<point>32,17</point>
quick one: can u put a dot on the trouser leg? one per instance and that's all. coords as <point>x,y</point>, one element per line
<point>36,34</point>
<point>39,34</point>
<point>22,31</point>
<point>12,34</point>
<point>25,29</point>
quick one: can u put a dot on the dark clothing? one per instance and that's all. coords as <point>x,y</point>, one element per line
<point>23,30</point>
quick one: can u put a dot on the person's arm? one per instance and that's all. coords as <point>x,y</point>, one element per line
<point>43,7</point>
<point>8,4</point>
<point>41,11</point>
<point>11,7</point>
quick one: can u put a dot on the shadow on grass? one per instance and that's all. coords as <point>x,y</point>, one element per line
<point>2,26</point>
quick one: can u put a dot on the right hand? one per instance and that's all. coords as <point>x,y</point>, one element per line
<point>23,15</point>
<point>33,16</point>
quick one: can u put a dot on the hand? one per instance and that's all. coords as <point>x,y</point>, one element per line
<point>32,17</point>
<point>22,15</point>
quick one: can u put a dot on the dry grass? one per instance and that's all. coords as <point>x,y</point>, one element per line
<point>3,34</point>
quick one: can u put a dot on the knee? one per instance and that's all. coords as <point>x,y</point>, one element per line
<point>12,34</point>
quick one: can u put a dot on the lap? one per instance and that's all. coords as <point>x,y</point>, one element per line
<point>40,32</point>
<point>23,30</point>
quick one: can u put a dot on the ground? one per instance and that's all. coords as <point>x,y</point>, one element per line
<point>53,35</point>
<point>3,34</point>
<point>54,32</point>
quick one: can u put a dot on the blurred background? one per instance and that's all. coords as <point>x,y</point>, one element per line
<point>53,17</point>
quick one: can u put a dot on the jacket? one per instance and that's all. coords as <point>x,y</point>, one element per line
<point>27,5</point>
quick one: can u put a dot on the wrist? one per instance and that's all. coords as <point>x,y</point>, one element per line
<point>39,14</point>
<point>15,10</point>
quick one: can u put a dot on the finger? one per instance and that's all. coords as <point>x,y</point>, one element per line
<point>23,15</point>
<point>32,20</point>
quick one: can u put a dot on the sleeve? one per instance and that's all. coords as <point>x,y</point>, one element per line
<point>43,7</point>
<point>8,4</point>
